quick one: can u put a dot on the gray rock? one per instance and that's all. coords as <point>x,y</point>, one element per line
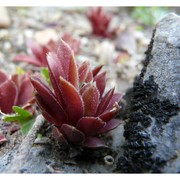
<point>165,62</point>
<point>4,18</point>
<point>153,128</point>
<point>165,67</point>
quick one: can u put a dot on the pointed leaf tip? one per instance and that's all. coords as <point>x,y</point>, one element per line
<point>90,98</point>
<point>96,70</point>
<point>109,114</point>
<point>64,54</point>
<point>100,82</point>
<point>73,101</point>
<point>73,76</point>
<point>105,101</point>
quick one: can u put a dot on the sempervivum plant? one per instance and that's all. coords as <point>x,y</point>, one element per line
<point>76,104</point>
<point>38,57</point>
<point>16,90</point>
<point>16,101</point>
<point>100,22</point>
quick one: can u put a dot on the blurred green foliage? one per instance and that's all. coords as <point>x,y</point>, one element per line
<point>149,15</point>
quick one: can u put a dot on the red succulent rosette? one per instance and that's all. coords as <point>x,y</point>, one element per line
<point>77,103</point>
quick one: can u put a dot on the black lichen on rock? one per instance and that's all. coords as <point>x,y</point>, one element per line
<point>146,108</point>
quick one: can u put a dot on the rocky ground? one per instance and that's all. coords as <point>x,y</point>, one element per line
<point>18,24</point>
<point>43,24</point>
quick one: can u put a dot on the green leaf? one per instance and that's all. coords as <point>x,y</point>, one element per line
<point>10,118</point>
<point>45,74</point>
<point>23,113</point>
<point>24,118</point>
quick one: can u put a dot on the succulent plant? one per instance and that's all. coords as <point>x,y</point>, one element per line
<point>39,52</point>
<point>15,91</point>
<point>38,57</point>
<point>100,22</point>
<point>76,103</point>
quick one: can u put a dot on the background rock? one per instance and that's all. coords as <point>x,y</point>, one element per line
<point>152,130</point>
<point>166,58</point>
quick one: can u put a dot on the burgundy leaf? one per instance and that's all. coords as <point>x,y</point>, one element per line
<point>55,65</point>
<point>47,101</point>
<point>109,114</point>
<point>100,82</point>
<point>73,101</point>
<point>55,70</point>
<point>115,99</point>
<point>96,70</point>
<point>90,125</point>
<point>64,54</point>
<point>105,101</point>
<point>72,134</point>
<point>26,58</point>
<point>7,100</point>
<point>89,77</point>
<point>35,48</point>
<point>94,142</point>
<point>51,110</point>
<point>44,52</point>
<point>39,52</point>
<point>85,88</point>
<point>112,124</point>
<point>73,73</point>
<point>47,116</point>
<point>25,90</point>
<point>63,64</point>
<point>83,72</point>
<point>91,100</point>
